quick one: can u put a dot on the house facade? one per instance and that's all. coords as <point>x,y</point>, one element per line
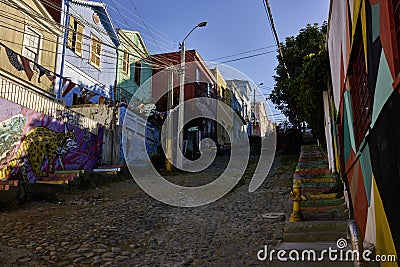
<point>36,40</point>
<point>88,68</point>
<point>38,135</point>
<point>88,54</point>
<point>223,95</point>
<point>261,124</point>
<point>199,82</point>
<point>243,96</point>
<point>134,87</point>
<point>132,71</point>
<point>239,126</point>
<point>364,107</point>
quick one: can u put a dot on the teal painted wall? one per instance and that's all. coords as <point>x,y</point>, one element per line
<point>126,85</point>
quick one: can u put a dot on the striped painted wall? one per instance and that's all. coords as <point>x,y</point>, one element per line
<point>364,59</point>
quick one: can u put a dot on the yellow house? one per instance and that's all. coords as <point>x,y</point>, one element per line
<point>224,95</point>
<point>28,47</point>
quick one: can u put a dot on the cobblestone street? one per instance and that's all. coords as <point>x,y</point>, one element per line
<point>120,225</point>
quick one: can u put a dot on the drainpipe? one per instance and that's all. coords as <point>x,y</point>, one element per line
<point>353,233</point>
<point>66,29</point>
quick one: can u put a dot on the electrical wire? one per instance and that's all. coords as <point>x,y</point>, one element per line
<point>275,34</point>
<point>237,54</point>
<point>35,15</point>
<point>58,7</point>
<point>165,37</point>
<point>256,55</point>
<point>144,23</point>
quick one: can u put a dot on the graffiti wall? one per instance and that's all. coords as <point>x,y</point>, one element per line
<point>33,145</point>
<point>364,56</point>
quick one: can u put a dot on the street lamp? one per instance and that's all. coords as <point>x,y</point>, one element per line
<point>254,108</point>
<point>182,92</point>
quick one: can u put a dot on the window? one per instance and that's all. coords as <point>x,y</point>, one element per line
<point>31,46</point>
<point>95,50</point>
<point>360,99</point>
<point>125,63</point>
<point>75,36</point>
<point>138,67</point>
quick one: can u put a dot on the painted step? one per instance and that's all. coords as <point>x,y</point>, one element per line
<point>305,168</point>
<point>5,185</point>
<point>322,202</point>
<point>313,172</point>
<point>321,184</point>
<point>319,236</point>
<point>314,180</point>
<point>314,190</point>
<point>313,162</point>
<point>326,216</point>
<point>318,209</point>
<point>302,175</point>
<point>315,226</point>
<point>320,196</point>
<point>311,158</point>
<point>309,146</point>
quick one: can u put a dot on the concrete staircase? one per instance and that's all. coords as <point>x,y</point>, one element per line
<point>325,214</point>
<point>322,188</point>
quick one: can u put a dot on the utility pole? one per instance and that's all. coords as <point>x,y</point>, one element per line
<point>254,108</point>
<point>181,109</point>
<point>182,95</point>
<point>254,112</point>
<point>170,104</point>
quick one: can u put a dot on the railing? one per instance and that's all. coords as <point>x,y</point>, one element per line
<point>24,97</point>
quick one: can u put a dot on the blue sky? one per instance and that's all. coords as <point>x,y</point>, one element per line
<point>234,26</point>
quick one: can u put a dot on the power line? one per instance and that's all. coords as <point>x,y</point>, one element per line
<point>165,37</point>
<point>58,7</point>
<point>241,53</point>
<point>126,24</point>
<point>34,14</point>
<point>241,58</point>
<point>271,22</point>
<point>144,23</point>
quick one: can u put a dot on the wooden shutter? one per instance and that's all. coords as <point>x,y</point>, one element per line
<point>95,51</point>
<point>70,31</point>
<point>79,39</point>
<point>125,63</point>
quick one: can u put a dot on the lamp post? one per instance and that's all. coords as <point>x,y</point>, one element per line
<point>182,92</point>
<point>254,108</point>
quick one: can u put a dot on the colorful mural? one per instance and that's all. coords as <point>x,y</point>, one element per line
<point>34,145</point>
<point>364,58</point>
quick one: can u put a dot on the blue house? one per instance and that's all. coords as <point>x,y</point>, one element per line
<point>88,60</point>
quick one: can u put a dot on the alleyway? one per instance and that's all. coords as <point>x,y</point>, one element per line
<point>120,225</point>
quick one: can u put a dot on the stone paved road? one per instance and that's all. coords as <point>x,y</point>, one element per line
<point>120,225</point>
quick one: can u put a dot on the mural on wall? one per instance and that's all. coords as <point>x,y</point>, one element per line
<point>34,145</point>
<point>139,124</point>
<point>369,158</point>
<point>10,132</point>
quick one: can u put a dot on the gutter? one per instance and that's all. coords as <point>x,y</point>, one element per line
<point>66,29</point>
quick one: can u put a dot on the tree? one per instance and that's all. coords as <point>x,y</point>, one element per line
<point>299,95</point>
